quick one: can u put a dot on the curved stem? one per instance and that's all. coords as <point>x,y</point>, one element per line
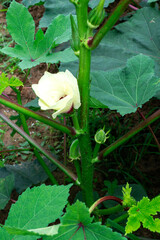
<point>129,135</point>
<point>94,205</point>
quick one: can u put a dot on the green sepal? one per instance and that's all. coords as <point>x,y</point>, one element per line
<point>96,16</point>
<point>74,151</point>
<point>100,136</point>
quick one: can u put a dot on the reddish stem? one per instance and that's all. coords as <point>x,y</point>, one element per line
<point>154,136</point>
<point>105,199</point>
<point>133,7</point>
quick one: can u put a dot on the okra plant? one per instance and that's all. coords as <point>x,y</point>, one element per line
<point>109,68</point>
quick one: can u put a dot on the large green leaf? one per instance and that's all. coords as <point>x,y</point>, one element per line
<point>138,35</point>
<point>76,225</point>
<point>127,88</point>
<point>53,8</point>
<point>37,207</point>
<point>41,49</point>
<point>6,187</point>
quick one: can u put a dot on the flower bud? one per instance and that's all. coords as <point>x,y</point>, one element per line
<point>96,15</point>
<point>74,152</point>
<point>75,42</point>
<point>100,136</point>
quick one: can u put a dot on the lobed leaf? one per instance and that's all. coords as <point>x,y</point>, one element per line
<point>76,225</point>
<point>126,89</point>
<point>143,213</point>
<point>43,205</point>
<point>33,49</point>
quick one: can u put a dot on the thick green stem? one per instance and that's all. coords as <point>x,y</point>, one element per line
<point>84,83</point>
<point>129,135</point>
<point>70,131</point>
<point>109,23</point>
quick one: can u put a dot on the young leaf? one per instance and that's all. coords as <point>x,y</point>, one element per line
<point>127,88</point>
<point>6,82</point>
<point>34,51</point>
<point>76,225</point>
<point>37,207</point>
<point>143,213</point>
<point>6,187</point>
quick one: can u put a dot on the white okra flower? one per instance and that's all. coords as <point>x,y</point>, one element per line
<point>58,91</point>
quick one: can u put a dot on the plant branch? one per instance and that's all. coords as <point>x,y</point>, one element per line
<point>38,147</point>
<point>95,204</point>
<point>70,131</point>
<point>108,24</point>
<point>154,136</point>
<point>129,135</point>
<point>45,167</point>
